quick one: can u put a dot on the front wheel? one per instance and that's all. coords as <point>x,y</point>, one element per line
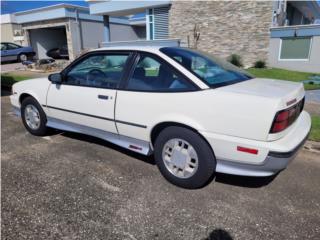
<point>33,117</point>
<point>184,158</point>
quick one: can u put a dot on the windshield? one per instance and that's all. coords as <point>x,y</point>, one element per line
<point>212,70</point>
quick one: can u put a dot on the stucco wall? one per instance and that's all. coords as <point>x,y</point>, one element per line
<point>225,27</point>
<point>311,65</point>
<point>121,32</point>
<point>92,34</point>
<point>7,31</point>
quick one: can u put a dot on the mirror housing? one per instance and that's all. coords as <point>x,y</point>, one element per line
<point>55,78</point>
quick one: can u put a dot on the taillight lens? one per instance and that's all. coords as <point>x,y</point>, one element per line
<point>285,118</point>
<point>279,126</point>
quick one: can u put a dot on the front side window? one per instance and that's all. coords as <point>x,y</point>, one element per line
<point>295,48</point>
<point>3,46</point>
<point>100,70</point>
<point>12,46</point>
<point>213,71</point>
<point>151,74</point>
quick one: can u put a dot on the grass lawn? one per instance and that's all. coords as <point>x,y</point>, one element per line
<point>283,74</point>
<point>315,130</point>
<point>8,79</point>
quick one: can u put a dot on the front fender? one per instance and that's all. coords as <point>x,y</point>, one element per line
<point>37,88</point>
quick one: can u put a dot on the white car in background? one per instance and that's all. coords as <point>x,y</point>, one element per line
<point>197,114</point>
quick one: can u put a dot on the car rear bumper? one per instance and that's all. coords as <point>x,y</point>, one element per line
<point>272,156</point>
<point>274,162</point>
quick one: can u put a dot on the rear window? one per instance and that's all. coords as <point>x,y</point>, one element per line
<point>212,70</point>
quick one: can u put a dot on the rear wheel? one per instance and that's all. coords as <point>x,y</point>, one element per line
<point>184,158</point>
<point>22,57</point>
<point>33,117</point>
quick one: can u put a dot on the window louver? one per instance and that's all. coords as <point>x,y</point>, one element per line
<point>161,22</point>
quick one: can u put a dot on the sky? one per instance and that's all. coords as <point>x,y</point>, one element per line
<point>17,6</point>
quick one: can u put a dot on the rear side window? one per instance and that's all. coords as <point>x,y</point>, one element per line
<point>101,71</point>
<point>152,74</point>
<point>211,70</point>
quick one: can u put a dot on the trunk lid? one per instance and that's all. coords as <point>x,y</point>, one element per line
<point>283,94</point>
<point>288,93</point>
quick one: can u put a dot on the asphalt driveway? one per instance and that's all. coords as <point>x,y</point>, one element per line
<point>70,186</point>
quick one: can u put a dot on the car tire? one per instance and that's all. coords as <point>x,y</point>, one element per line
<point>33,117</point>
<point>22,57</point>
<point>193,149</point>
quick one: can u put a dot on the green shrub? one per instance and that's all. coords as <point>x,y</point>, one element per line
<point>260,64</point>
<point>235,60</point>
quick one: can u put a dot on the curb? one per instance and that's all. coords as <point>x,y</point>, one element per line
<point>312,146</point>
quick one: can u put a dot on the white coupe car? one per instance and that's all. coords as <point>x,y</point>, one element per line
<point>198,115</point>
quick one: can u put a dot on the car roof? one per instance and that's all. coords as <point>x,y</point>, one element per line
<point>130,48</point>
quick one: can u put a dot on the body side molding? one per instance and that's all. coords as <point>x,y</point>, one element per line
<point>132,144</point>
<point>95,116</point>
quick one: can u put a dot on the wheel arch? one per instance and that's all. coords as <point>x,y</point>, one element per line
<point>161,126</point>
<point>25,95</point>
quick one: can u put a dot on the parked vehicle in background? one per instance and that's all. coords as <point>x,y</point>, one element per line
<point>59,53</point>
<point>197,114</point>
<point>15,52</point>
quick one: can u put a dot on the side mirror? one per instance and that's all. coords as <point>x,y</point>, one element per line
<point>55,78</point>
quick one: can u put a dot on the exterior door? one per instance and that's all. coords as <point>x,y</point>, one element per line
<point>87,94</point>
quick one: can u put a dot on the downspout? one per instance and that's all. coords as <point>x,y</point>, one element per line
<point>79,28</point>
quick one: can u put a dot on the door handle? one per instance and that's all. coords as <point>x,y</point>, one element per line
<point>104,97</point>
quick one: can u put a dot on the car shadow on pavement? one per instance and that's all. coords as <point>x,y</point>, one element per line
<point>91,139</point>
<point>243,181</point>
<point>219,234</point>
<point>240,181</point>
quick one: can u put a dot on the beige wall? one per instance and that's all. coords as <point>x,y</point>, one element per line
<point>312,65</point>
<point>225,27</point>
<point>7,30</point>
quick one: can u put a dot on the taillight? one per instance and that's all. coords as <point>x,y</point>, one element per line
<point>279,126</point>
<point>285,118</point>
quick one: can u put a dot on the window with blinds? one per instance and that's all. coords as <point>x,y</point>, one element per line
<point>295,48</point>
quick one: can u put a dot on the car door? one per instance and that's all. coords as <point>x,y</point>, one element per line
<point>5,53</point>
<point>13,51</point>
<point>155,92</point>
<point>88,91</point>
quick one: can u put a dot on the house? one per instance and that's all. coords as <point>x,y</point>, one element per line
<point>67,25</point>
<point>295,36</point>
<point>283,33</point>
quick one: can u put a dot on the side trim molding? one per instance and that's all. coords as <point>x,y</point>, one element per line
<point>95,116</point>
<point>132,144</point>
